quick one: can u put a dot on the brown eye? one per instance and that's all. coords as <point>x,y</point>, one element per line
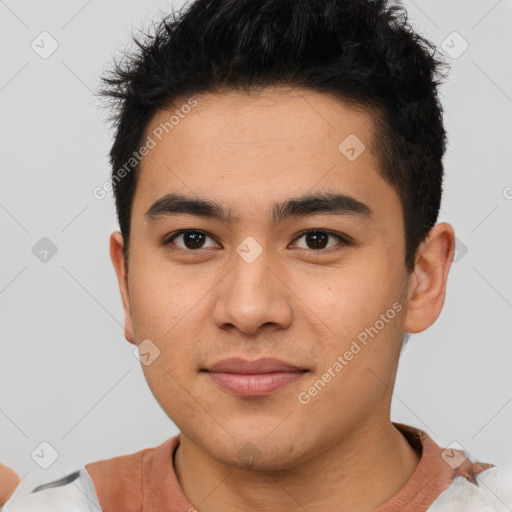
<point>320,239</point>
<point>190,240</point>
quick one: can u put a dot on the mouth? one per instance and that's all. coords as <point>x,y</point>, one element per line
<point>253,378</point>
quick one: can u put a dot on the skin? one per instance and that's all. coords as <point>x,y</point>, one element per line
<point>295,302</point>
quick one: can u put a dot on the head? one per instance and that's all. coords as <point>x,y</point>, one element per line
<point>277,171</point>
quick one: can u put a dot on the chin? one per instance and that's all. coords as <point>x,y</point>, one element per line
<point>251,458</point>
<point>255,452</point>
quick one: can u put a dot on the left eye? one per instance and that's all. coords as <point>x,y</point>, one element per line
<point>318,239</point>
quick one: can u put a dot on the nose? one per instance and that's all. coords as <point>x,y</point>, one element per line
<point>253,295</point>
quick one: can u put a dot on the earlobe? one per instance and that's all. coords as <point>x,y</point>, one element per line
<point>427,289</point>
<point>118,260</point>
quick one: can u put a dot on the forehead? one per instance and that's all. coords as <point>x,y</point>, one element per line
<point>277,117</point>
<point>250,150</point>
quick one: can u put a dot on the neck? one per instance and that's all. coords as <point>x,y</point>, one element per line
<point>359,473</point>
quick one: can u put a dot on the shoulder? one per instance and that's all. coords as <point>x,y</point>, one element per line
<point>105,485</point>
<point>490,492</point>
<point>118,481</point>
<point>73,493</point>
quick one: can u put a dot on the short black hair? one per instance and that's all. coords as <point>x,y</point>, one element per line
<point>363,51</point>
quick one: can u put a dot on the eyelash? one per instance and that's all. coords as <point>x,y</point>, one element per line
<point>344,241</point>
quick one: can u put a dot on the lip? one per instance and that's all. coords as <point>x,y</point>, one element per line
<point>243,366</point>
<point>253,378</point>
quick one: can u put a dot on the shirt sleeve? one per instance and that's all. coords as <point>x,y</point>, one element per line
<point>492,491</point>
<point>73,493</point>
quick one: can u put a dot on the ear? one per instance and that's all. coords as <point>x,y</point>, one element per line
<point>118,260</point>
<point>427,284</point>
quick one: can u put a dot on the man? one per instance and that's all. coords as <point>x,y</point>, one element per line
<point>277,173</point>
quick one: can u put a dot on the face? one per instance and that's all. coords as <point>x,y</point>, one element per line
<point>261,228</point>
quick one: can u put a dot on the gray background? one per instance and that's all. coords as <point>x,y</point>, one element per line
<point>70,379</point>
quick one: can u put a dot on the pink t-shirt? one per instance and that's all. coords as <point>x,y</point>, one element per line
<point>145,481</point>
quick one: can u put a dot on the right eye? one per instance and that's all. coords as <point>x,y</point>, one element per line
<point>190,240</point>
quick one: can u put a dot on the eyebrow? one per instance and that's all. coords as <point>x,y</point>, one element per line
<point>303,206</point>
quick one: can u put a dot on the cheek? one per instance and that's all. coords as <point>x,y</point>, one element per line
<point>362,321</point>
<point>356,365</point>
<point>166,299</point>
<point>346,299</point>
<point>169,383</point>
